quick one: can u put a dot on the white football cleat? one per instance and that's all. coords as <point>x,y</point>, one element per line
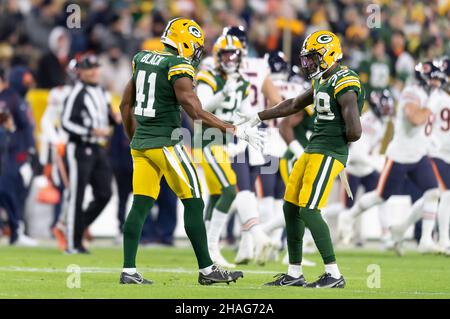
<point>218,259</point>
<point>397,233</point>
<point>25,241</point>
<point>428,248</point>
<point>263,248</point>
<point>387,243</point>
<point>245,251</point>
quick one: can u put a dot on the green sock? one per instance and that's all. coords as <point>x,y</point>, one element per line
<point>295,228</point>
<point>226,199</point>
<point>210,207</point>
<point>132,228</point>
<point>195,230</point>
<point>320,232</point>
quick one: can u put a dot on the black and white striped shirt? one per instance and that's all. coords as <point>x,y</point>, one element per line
<point>87,107</point>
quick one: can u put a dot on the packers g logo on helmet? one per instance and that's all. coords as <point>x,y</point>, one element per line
<point>194,31</point>
<point>320,50</point>
<point>324,38</point>
<point>185,36</point>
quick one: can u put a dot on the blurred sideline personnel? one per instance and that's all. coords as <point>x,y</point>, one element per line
<point>7,202</point>
<point>338,99</point>
<point>17,172</point>
<point>440,151</point>
<point>222,91</point>
<point>254,243</point>
<point>52,152</point>
<point>151,113</point>
<point>86,118</point>
<point>408,161</point>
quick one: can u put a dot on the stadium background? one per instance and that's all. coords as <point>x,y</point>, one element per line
<point>410,30</point>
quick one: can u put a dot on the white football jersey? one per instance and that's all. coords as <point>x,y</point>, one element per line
<point>255,70</point>
<point>439,103</point>
<point>364,153</point>
<point>275,144</point>
<point>207,63</point>
<point>51,130</point>
<point>409,143</point>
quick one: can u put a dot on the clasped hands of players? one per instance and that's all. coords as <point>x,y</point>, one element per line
<point>246,129</point>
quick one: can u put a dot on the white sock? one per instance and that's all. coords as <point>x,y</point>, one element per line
<point>414,216</point>
<point>216,224</point>
<point>265,208</point>
<point>383,217</point>
<point>295,270</point>
<point>206,271</point>
<point>333,270</point>
<point>130,271</point>
<point>444,219</point>
<point>430,207</point>
<point>258,234</point>
<point>247,207</point>
<point>275,223</point>
<point>332,210</point>
<point>365,202</point>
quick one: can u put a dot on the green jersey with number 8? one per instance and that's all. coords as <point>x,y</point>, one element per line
<point>329,127</point>
<point>156,108</point>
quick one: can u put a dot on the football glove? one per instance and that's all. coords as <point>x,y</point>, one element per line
<point>249,119</point>
<point>252,135</point>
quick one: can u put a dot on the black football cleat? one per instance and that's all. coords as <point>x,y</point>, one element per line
<point>219,275</point>
<point>134,279</point>
<point>286,280</point>
<point>326,281</point>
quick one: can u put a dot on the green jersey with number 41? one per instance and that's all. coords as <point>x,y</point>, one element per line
<point>328,135</point>
<point>156,108</point>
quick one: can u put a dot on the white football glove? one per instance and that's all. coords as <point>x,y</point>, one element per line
<point>252,135</point>
<point>251,120</point>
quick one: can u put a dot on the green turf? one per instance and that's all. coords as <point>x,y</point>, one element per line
<point>41,273</point>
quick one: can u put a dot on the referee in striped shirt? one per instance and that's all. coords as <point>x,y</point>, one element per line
<point>87,119</point>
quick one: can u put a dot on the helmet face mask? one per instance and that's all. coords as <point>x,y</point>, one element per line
<point>199,53</point>
<point>320,51</point>
<point>310,65</point>
<point>382,105</point>
<point>229,60</point>
<point>227,52</point>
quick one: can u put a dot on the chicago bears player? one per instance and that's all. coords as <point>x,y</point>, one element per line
<point>407,161</point>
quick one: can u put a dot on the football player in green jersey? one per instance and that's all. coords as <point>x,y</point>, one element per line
<point>222,91</point>
<point>338,97</point>
<point>162,84</point>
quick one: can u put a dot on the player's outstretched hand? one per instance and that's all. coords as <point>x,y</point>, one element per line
<point>249,119</point>
<point>252,135</point>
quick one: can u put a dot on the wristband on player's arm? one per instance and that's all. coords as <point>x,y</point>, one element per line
<point>296,148</point>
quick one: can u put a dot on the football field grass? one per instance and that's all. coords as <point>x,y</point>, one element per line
<point>42,273</point>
